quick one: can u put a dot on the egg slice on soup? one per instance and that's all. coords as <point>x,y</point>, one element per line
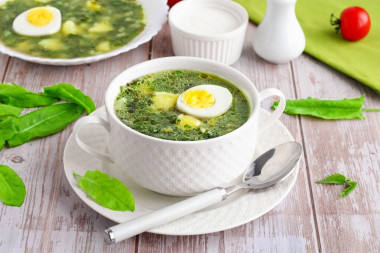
<point>38,21</point>
<point>205,101</point>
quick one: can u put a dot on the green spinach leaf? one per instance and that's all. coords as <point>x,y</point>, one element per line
<point>8,110</point>
<point>13,94</point>
<point>325,109</point>
<point>334,179</point>
<point>12,188</point>
<point>110,193</point>
<point>43,122</point>
<point>70,93</point>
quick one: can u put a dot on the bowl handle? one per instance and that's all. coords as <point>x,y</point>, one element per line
<point>277,112</point>
<point>92,119</point>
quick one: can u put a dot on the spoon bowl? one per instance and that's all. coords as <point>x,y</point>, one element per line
<point>270,168</point>
<point>265,172</point>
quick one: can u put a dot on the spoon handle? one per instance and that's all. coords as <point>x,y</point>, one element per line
<point>170,213</point>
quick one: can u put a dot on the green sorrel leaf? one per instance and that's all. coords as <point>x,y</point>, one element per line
<point>12,188</point>
<point>70,93</point>
<point>43,122</point>
<point>9,111</point>
<point>7,131</point>
<point>110,193</point>
<point>15,95</point>
<point>325,109</point>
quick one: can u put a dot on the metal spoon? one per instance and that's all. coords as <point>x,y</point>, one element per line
<point>270,168</point>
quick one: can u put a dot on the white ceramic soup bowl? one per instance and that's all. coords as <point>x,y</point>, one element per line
<point>181,168</point>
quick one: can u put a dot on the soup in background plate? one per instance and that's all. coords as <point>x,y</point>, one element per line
<point>69,28</point>
<point>182,105</point>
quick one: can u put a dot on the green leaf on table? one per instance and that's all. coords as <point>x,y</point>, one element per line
<point>351,185</point>
<point>334,179</point>
<point>70,93</point>
<point>9,111</point>
<point>340,179</point>
<point>7,131</point>
<point>15,95</point>
<point>325,109</point>
<point>110,193</point>
<point>12,188</point>
<point>43,122</point>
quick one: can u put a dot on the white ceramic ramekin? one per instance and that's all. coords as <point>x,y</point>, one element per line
<point>223,47</point>
<point>181,167</point>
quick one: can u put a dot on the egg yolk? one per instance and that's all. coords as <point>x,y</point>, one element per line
<point>40,16</point>
<point>199,99</point>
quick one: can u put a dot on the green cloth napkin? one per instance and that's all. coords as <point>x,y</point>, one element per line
<point>359,60</point>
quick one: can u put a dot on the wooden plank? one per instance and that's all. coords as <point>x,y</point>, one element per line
<point>349,147</point>
<point>3,65</point>
<point>53,218</point>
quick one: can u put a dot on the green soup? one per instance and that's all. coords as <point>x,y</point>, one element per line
<point>89,27</point>
<point>147,105</point>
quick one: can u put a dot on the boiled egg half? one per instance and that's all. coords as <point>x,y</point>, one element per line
<point>38,21</point>
<point>205,101</point>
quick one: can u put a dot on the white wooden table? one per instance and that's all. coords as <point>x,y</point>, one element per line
<point>310,219</point>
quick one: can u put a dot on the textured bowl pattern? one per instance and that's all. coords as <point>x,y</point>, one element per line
<point>182,170</point>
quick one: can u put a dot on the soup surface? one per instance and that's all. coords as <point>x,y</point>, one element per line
<point>88,27</point>
<point>148,105</point>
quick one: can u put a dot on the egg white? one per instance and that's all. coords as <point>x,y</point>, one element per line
<point>22,26</point>
<point>223,101</point>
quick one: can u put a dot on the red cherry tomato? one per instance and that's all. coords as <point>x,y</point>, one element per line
<point>354,23</point>
<point>172,2</point>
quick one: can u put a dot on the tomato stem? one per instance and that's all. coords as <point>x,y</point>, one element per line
<point>334,21</point>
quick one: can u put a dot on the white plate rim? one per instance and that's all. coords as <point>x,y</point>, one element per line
<point>156,16</point>
<point>168,229</point>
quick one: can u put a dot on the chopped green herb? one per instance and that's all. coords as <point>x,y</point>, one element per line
<point>110,193</point>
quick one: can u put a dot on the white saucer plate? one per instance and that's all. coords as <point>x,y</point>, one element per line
<point>155,15</point>
<point>239,209</point>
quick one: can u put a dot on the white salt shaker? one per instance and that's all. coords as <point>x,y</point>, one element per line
<point>279,37</point>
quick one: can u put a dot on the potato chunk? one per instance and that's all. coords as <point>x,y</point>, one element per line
<point>101,27</point>
<point>93,5</point>
<point>69,27</point>
<point>187,122</point>
<point>164,100</point>
<point>103,46</point>
<point>51,44</point>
